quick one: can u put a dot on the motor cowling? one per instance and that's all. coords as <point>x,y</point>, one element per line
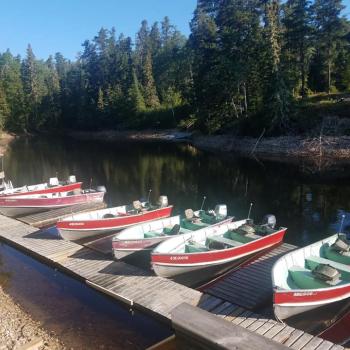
<point>220,211</point>
<point>72,179</point>
<point>53,181</point>
<point>163,201</point>
<point>269,220</point>
<point>101,189</point>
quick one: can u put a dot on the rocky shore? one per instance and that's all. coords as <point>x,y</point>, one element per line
<point>18,330</point>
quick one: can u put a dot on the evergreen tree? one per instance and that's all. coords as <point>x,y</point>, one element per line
<point>298,42</point>
<point>277,96</point>
<point>329,31</point>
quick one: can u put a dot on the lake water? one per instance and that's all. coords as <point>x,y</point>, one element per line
<point>310,206</point>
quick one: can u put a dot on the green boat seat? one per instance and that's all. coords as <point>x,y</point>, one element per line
<point>152,234</point>
<point>194,247</point>
<point>304,279</point>
<point>313,261</point>
<point>331,254</point>
<point>241,238</point>
<point>223,240</point>
<point>193,225</point>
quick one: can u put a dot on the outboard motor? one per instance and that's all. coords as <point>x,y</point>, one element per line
<point>220,211</point>
<point>72,179</point>
<point>341,246</point>
<point>163,201</point>
<point>101,189</point>
<point>53,181</point>
<point>269,220</point>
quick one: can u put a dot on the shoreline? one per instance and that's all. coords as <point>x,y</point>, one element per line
<point>281,148</point>
<point>18,329</point>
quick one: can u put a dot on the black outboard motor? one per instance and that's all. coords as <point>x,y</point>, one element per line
<point>269,220</point>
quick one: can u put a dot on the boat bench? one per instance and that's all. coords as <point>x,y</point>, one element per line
<point>313,261</point>
<point>223,240</point>
<point>194,247</point>
<point>151,234</point>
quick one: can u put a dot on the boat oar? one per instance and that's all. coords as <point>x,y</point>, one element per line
<point>341,224</point>
<point>250,209</point>
<point>203,201</point>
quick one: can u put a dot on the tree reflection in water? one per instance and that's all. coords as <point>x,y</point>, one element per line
<point>307,204</point>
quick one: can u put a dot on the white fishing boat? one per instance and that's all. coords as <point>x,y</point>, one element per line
<point>312,284</point>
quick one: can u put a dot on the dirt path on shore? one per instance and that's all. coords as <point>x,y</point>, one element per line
<point>17,328</point>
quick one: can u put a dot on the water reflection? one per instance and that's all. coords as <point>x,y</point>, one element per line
<point>308,205</point>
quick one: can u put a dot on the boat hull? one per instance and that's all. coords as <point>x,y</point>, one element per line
<point>313,319</point>
<point>74,230</point>
<point>173,265</point>
<point>16,206</point>
<point>125,247</point>
<point>55,189</point>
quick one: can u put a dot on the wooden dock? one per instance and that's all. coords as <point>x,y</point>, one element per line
<point>240,285</point>
<point>141,290</point>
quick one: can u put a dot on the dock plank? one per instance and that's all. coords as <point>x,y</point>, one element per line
<point>256,278</point>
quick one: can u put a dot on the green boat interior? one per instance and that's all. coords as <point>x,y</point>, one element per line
<point>330,268</point>
<point>230,239</point>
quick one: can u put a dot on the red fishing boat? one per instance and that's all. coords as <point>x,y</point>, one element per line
<point>27,204</point>
<point>312,285</point>
<point>214,249</point>
<point>97,222</point>
<point>53,186</point>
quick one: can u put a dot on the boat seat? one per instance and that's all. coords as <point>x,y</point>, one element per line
<point>223,240</point>
<point>194,247</point>
<point>304,279</point>
<point>313,261</point>
<point>335,256</point>
<point>151,234</point>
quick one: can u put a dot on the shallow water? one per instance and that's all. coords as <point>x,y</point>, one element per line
<point>310,206</point>
<point>81,317</point>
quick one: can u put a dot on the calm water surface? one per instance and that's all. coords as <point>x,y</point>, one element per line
<point>310,206</point>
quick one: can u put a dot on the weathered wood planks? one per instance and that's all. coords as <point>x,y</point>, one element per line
<point>240,285</point>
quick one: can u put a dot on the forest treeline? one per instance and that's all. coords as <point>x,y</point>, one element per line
<point>246,65</point>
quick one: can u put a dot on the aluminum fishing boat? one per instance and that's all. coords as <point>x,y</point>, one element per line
<point>214,249</point>
<point>108,220</point>
<point>27,204</point>
<point>147,236</point>
<point>312,284</point>
<point>53,186</point>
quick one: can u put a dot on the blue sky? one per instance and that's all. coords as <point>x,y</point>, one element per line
<point>62,25</point>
